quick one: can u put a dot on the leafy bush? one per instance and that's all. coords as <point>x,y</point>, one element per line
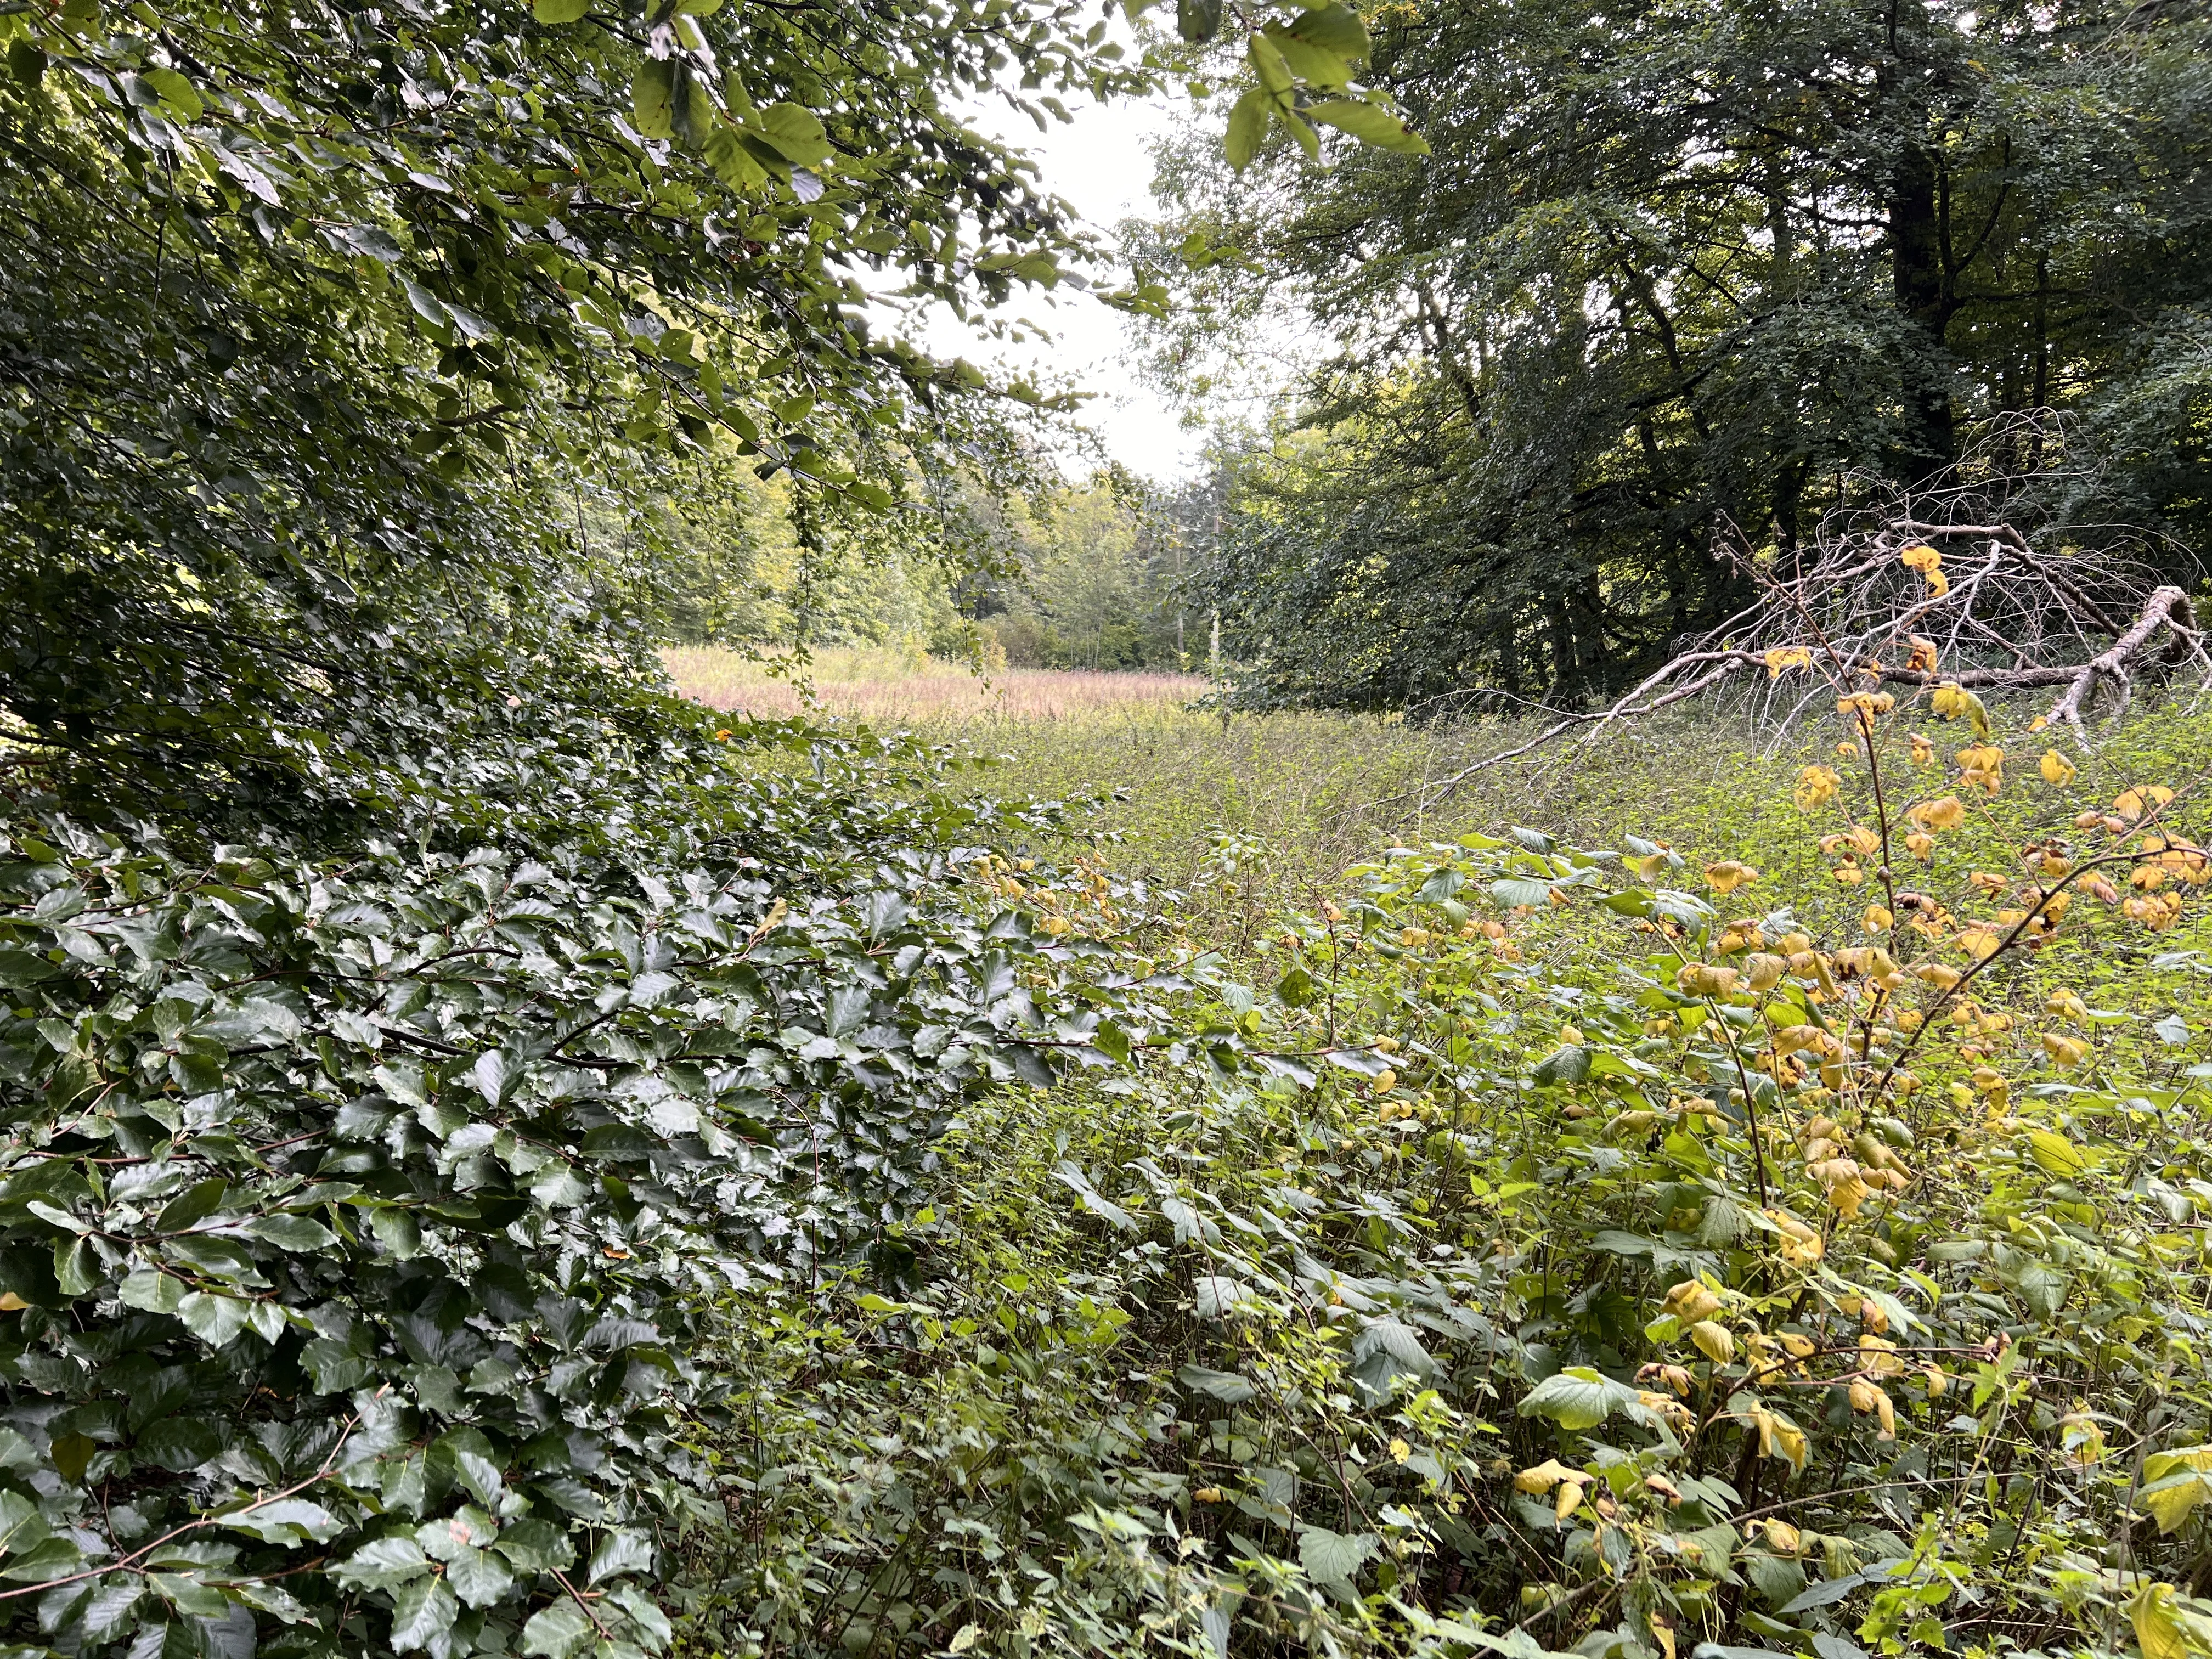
<point>359,1221</point>
<point>1524,1280</point>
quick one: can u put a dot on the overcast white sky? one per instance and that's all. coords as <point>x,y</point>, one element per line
<point>1100,165</point>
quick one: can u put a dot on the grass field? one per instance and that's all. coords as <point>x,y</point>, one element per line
<point>1262,811</point>
<point>897,688</point>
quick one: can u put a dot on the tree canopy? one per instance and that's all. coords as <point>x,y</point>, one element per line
<point>1675,272</point>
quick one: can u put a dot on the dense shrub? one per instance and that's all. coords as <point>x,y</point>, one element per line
<point>1520,1279</point>
<point>359,1219</point>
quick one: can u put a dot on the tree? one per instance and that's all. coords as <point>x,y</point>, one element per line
<point>311,315</point>
<point>1684,267</point>
<point>382,951</point>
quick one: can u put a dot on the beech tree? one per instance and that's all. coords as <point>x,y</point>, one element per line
<point>1676,268</point>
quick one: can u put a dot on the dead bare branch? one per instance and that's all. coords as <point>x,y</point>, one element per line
<point>1964,582</point>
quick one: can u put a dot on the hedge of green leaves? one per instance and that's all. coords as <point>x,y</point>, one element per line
<point>357,1219</point>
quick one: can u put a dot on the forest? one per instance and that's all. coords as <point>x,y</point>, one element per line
<point>679,975</point>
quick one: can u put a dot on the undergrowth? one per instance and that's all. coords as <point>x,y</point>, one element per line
<point>1736,1245</point>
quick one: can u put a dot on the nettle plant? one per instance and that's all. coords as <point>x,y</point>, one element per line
<point>360,1224</point>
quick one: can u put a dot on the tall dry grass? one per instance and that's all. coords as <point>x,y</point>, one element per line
<point>890,687</point>
<point>1253,812</point>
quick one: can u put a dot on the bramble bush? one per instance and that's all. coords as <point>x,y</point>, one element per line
<point>792,1219</point>
<point>1541,1250</point>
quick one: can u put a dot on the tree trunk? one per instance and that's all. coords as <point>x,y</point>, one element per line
<point>1915,259</point>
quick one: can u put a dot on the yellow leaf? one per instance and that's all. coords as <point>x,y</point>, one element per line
<point>2170,1505</point>
<point>1569,1500</point>
<point>1703,980</point>
<point>1815,786</point>
<point>1946,813</point>
<point>2157,1632</point>
<point>1713,1341</point>
<point>2065,1052</point>
<point>1980,943</point>
<point>1544,1476</point>
<point>2055,1155</point>
<point>1727,876</point>
<point>1777,1438</point>
<point>1691,1301</point>
<point>2057,769</point>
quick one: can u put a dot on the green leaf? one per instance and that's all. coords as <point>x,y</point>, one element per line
<point>1334,1557</point>
<point>733,164</point>
<point>1570,1064</point>
<point>1517,890</point>
<point>179,95</point>
<point>422,1611</point>
<point>71,1455</point>
<point>22,1526</point>
<point>556,1630</point>
<point>560,11</point>
<point>653,99</point>
<point>292,1232</point>
<point>77,1266</point>
<point>535,1546</point>
<point>214,1319</point>
<point>469,1455</point>
<point>1315,66</point>
<point>1227,1386</point>
<point>1269,67</point>
<point>180,1443</point>
<point>692,111</point>
<point>479,1577</point>
<point>795,133</point>
<point>153,1290</point>
<point>1334,28</point>
<point>1198,21</point>
<point>287,1520</point>
<point>620,1552</point>
<point>194,1205</point>
<point>382,1563</point>
<point>1577,1398</point>
<point>398,1231</point>
<point>1297,986</point>
<point>1111,1041</point>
